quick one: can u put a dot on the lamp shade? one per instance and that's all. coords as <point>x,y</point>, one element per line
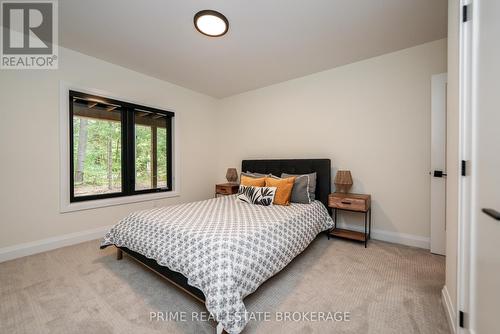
<point>343,181</point>
<point>231,175</point>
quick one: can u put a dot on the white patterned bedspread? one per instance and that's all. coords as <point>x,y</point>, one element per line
<point>225,247</point>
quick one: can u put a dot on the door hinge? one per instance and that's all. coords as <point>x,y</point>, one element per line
<point>463,168</point>
<point>461,316</point>
<point>466,13</point>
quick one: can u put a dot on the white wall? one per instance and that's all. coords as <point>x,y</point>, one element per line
<point>372,117</point>
<point>29,143</point>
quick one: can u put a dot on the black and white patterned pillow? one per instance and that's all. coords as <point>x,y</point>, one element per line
<point>257,195</point>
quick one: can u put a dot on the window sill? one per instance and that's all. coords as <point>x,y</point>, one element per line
<point>100,203</point>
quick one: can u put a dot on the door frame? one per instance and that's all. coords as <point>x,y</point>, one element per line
<point>467,47</point>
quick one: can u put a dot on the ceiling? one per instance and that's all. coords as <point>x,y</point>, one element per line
<point>268,41</point>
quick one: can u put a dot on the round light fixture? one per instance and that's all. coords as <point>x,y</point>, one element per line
<point>211,23</point>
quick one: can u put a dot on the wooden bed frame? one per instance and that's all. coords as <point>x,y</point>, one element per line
<point>322,168</point>
<point>177,279</point>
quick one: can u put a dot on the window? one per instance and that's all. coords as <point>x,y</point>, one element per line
<point>117,148</point>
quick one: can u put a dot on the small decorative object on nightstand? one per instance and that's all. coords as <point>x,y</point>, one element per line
<point>231,175</point>
<point>226,189</point>
<point>355,203</point>
<point>343,181</point>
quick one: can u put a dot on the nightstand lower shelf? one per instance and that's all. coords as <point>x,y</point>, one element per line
<point>353,235</point>
<point>347,234</point>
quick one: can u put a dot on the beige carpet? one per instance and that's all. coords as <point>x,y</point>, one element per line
<point>80,289</point>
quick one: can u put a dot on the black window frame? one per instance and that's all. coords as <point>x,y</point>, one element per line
<point>128,115</point>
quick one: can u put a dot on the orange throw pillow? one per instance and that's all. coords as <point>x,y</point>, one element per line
<point>252,182</point>
<point>283,191</point>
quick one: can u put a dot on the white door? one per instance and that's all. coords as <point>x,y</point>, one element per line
<point>485,168</point>
<point>438,164</point>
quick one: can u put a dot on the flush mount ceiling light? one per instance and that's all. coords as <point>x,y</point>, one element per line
<point>211,23</point>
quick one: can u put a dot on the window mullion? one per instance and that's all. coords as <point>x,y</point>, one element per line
<point>169,138</point>
<point>129,161</point>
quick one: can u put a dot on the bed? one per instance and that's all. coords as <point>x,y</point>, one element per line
<point>221,250</point>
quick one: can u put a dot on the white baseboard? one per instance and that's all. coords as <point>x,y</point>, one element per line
<point>394,237</point>
<point>34,247</point>
<point>448,309</point>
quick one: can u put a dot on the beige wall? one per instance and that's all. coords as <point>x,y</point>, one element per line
<point>29,139</point>
<point>452,160</point>
<point>372,117</point>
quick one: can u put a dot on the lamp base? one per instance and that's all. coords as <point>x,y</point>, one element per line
<point>342,188</point>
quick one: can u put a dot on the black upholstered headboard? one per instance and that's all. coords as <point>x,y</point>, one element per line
<point>322,167</point>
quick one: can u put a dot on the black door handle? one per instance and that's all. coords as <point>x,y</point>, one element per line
<point>492,213</point>
<point>439,173</point>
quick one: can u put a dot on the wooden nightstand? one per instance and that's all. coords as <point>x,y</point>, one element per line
<point>226,189</point>
<point>355,203</point>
